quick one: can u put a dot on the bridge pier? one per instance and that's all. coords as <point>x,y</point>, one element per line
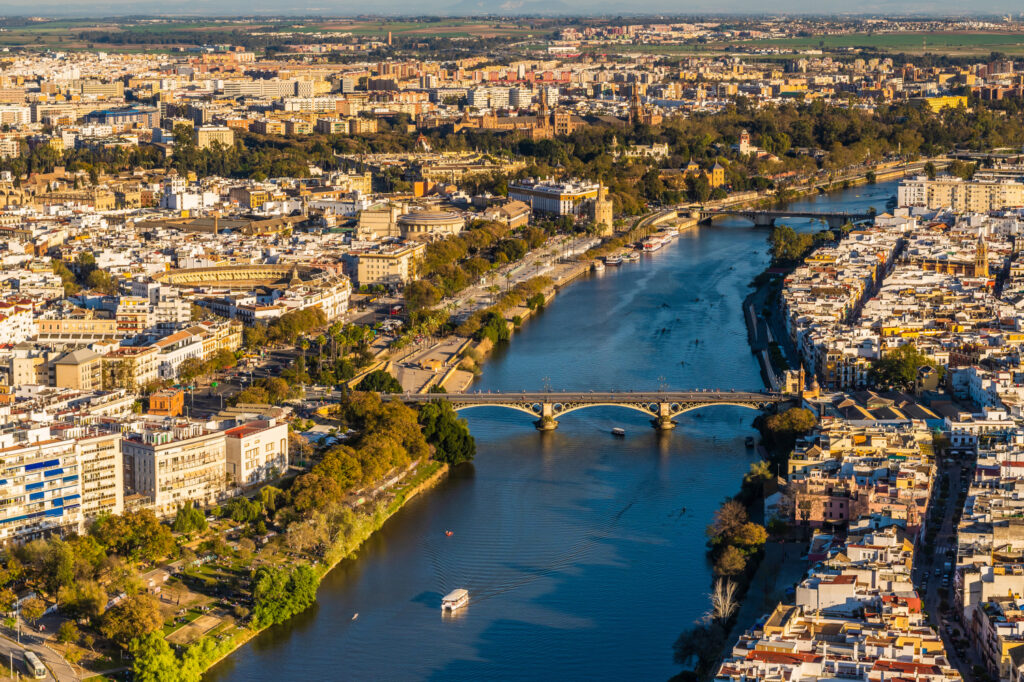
<point>762,220</point>
<point>664,421</point>
<point>547,421</point>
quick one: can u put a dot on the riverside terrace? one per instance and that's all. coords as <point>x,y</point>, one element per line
<point>662,405</point>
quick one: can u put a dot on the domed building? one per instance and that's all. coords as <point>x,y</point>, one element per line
<point>427,225</point>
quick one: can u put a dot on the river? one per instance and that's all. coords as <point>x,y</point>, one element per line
<point>583,554</point>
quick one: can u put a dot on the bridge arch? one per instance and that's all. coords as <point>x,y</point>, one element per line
<point>683,409</point>
<point>659,411</point>
<point>518,407</point>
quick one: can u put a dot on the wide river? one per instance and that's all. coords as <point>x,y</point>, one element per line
<point>583,554</point>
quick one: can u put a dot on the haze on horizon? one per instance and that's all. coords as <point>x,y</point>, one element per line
<point>224,8</point>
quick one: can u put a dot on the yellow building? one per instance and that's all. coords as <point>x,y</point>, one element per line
<point>206,136</point>
<point>396,264</point>
<point>937,104</point>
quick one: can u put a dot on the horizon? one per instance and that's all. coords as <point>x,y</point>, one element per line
<point>910,10</point>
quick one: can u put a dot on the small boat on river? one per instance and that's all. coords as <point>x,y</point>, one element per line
<point>618,431</point>
<point>613,260</point>
<point>455,600</point>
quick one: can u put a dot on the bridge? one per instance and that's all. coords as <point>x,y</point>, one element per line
<point>547,406</point>
<point>835,220</point>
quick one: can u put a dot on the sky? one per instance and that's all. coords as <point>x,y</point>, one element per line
<point>101,8</point>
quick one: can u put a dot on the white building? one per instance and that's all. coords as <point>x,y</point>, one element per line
<point>255,451</point>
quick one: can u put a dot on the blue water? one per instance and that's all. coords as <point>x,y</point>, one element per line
<point>583,554</point>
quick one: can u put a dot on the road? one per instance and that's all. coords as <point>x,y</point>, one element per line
<point>494,398</point>
<point>58,668</point>
<point>930,567</point>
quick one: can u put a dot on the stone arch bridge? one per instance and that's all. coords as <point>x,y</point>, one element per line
<point>547,406</point>
<point>760,218</point>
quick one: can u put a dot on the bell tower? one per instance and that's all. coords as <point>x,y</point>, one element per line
<point>981,258</point>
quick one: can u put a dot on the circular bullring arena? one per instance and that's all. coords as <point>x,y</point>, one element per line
<point>430,224</point>
<point>242,276</point>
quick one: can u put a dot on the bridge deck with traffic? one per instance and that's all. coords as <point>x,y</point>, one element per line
<point>548,405</point>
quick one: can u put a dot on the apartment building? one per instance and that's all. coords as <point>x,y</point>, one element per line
<point>174,463</point>
<point>255,450</point>
<point>80,369</point>
<point>391,264</point>
<point>57,478</point>
<point>960,195</point>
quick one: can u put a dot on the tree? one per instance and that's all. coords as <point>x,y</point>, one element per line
<point>750,536</point>
<point>724,600</point>
<point>84,599</point>
<point>7,599</point>
<point>730,562</point>
<point>493,327</point>
<point>788,245</point>
<point>136,536</point>
<point>899,368</point>
<point>154,661</point>
<point>103,282</point>
<point>68,632</point>
<point>242,510</point>
<point>189,519</point>
<point>32,609</point>
<point>727,520</point>
<point>379,381</point>
<point>782,430</point>
<point>270,498</point>
<point>702,643</point>
<point>281,592</point>
<point>136,615</point>
<point>449,434</point>
<point>929,170</point>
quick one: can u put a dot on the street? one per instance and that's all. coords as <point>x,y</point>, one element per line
<point>931,575</point>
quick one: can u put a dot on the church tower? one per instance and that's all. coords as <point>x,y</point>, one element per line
<point>981,258</point>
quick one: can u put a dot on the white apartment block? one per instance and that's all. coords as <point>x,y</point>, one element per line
<point>53,479</point>
<point>255,450</point>
<point>177,464</point>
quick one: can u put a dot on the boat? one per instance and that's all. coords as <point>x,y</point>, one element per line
<point>613,260</point>
<point>354,616</point>
<point>455,600</point>
<point>620,432</point>
<point>749,442</point>
<point>632,257</point>
<point>652,244</point>
<point>598,266</point>
<point>449,533</point>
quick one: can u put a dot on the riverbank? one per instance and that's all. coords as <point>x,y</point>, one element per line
<point>426,476</point>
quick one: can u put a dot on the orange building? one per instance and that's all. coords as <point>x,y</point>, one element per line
<point>169,403</point>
